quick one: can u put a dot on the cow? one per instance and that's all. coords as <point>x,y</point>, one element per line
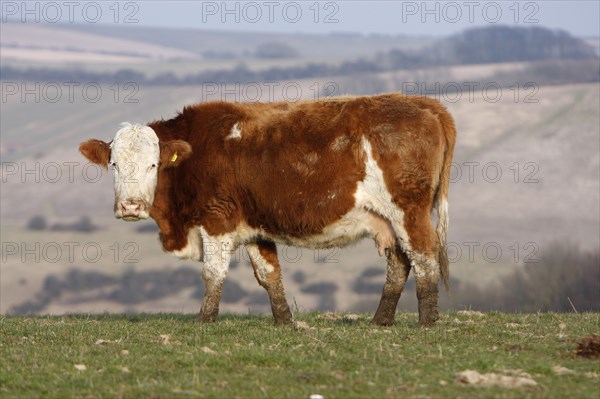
<point>313,174</point>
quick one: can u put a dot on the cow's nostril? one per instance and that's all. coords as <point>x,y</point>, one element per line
<point>131,207</point>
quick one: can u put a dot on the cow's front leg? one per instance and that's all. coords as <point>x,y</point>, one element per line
<point>263,256</point>
<point>217,254</point>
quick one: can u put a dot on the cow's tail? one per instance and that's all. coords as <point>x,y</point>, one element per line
<point>441,199</point>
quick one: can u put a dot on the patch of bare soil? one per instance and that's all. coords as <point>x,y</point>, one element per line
<point>589,347</point>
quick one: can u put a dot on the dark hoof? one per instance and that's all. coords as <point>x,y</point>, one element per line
<point>283,321</point>
<point>428,320</point>
<point>383,321</point>
<point>202,318</point>
<point>283,317</point>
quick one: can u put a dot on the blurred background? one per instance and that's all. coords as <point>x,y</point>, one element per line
<point>520,78</point>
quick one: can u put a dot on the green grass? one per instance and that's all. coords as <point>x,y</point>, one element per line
<point>336,357</point>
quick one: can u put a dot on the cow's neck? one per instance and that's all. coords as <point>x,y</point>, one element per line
<point>165,210</point>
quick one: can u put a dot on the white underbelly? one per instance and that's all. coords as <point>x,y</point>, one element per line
<point>349,229</point>
<point>352,227</point>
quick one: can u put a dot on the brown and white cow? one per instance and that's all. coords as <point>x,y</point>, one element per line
<point>314,174</point>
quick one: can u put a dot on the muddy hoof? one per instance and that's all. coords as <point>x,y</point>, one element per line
<point>206,318</point>
<point>280,321</point>
<point>428,320</point>
<point>383,321</point>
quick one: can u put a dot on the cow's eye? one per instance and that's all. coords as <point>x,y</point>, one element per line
<point>153,165</point>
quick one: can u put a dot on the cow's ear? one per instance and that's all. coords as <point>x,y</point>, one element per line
<point>172,153</point>
<point>96,151</point>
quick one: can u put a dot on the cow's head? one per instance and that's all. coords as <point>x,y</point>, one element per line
<point>137,159</point>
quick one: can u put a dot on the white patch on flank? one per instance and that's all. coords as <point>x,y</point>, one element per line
<point>193,249</point>
<point>134,151</point>
<point>235,133</point>
<point>263,268</point>
<point>373,194</point>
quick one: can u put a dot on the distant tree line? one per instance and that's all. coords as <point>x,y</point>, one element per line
<point>474,46</point>
<point>507,44</point>
<point>83,225</point>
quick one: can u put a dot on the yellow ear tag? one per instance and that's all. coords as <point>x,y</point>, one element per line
<point>174,157</point>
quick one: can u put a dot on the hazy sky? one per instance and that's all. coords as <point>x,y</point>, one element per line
<point>581,18</point>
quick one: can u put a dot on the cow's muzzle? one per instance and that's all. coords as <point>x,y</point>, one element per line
<point>131,210</point>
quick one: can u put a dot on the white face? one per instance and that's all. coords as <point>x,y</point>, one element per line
<point>134,160</point>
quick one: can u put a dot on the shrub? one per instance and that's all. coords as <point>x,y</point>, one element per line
<point>84,225</point>
<point>563,275</point>
<point>275,50</point>
<point>37,222</point>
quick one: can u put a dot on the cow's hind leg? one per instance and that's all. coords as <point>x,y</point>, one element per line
<point>263,256</point>
<point>423,258</point>
<point>427,273</point>
<point>398,268</point>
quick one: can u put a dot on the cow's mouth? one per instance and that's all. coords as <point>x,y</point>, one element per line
<point>131,218</point>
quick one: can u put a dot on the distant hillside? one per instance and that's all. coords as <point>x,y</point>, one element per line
<point>240,45</point>
<point>475,46</point>
<point>31,41</point>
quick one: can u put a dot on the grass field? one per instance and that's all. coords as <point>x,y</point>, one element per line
<point>334,355</point>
